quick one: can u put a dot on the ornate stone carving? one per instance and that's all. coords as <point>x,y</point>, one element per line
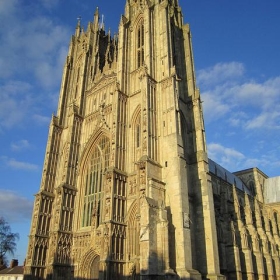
<point>132,186</point>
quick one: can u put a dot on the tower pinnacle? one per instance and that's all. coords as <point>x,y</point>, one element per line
<point>78,27</point>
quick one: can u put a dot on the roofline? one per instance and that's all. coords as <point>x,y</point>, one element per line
<point>250,169</point>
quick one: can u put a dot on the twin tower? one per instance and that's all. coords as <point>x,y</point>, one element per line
<point>126,191</point>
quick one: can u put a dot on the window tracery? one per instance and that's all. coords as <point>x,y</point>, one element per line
<point>93,195</point>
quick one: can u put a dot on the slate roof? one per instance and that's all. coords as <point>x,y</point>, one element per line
<point>13,270</point>
<point>2,266</point>
<point>227,176</point>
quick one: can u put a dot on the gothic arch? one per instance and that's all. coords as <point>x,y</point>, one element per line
<point>94,162</point>
<point>136,131</point>
<point>275,218</point>
<point>138,41</point>
<point>133,240</point>
<point>135,114</point>
<point>137,20</point>
<point>133,231</point>
<point>89,265</point>
<point>89,146</point>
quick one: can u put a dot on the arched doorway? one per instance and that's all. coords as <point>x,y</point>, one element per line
<point>133,241</point>
<point>94,269</point>
<point>89,266</point>
<point>135,275</point>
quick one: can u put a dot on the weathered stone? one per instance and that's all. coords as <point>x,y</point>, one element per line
<point>126,189</point>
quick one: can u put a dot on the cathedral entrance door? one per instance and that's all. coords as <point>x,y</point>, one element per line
<point>94,270</point>
<point>136,274</point>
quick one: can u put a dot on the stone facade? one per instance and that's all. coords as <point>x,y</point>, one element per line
<point>248,230</point>
<point>126,190</point>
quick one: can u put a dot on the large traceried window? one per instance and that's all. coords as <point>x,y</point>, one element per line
<point>93,198</point>
<point>140,43</point>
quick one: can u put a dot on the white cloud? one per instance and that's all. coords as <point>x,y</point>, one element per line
<point>229,96</point>
<point>220,73</point>
<point>20,145</point>
<point>14,207</point>
<point>216,150</point>
<point>233,160</point>
<point>229,158</point>
<point>42,120</point>
<point>19,165</point>
<point>242,112</point>
<point>269,120</point>
<point>256,162</point>
<point>256,94</point>
<point>214,108</point>
<point>15,102</point>
<point>32,49</point>
<point>35,46</point>
<point>237,118</point>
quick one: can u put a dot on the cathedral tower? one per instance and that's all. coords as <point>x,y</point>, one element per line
<point>126,191</point>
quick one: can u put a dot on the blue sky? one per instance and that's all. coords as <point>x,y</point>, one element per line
<point>236,50</point>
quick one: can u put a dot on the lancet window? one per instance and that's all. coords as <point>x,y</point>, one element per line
<point>44,220</point>
<point>276,221</point>
<point>93,198</point>
<point>40,254</point>
<point>67,210</point>
<point>77,83</point>
<point>137,137</point>
<point>138,131</point>
<point>140,44</point>
<point>133,234</point>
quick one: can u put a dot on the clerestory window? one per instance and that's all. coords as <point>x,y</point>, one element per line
<point>93,199</point>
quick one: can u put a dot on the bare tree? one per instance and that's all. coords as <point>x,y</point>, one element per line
<point>7,240</point>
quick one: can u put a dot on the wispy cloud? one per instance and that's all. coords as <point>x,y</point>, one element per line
<point>7,8</point>
<point>15,102</point>
<point>220,73</point>
<point>21,165</point>
<point>214,108</point>
<point>269,120</point>
<point>37,45</point>
<point>42,120</point>
<point>14,207</point>
<point>32,49</point>
<point>20,145</point>
<point>234,160</point>
<point>241,112</point>
<point>227,93</point>
<point>49,4</point>
<point>18,165</point>
<point>224,155</point>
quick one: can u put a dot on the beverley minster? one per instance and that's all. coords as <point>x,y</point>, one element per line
<point>128,191</point>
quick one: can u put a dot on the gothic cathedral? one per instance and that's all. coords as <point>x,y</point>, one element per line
<point>127,189</point>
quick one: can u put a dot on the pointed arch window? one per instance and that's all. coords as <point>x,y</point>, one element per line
<point>136,128</point>
<point>138,131</point>
<point>93,196</point>
<point>133,234</point>
<point>276,222</point>
<point>77,83</point>
<point>140,44</point>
